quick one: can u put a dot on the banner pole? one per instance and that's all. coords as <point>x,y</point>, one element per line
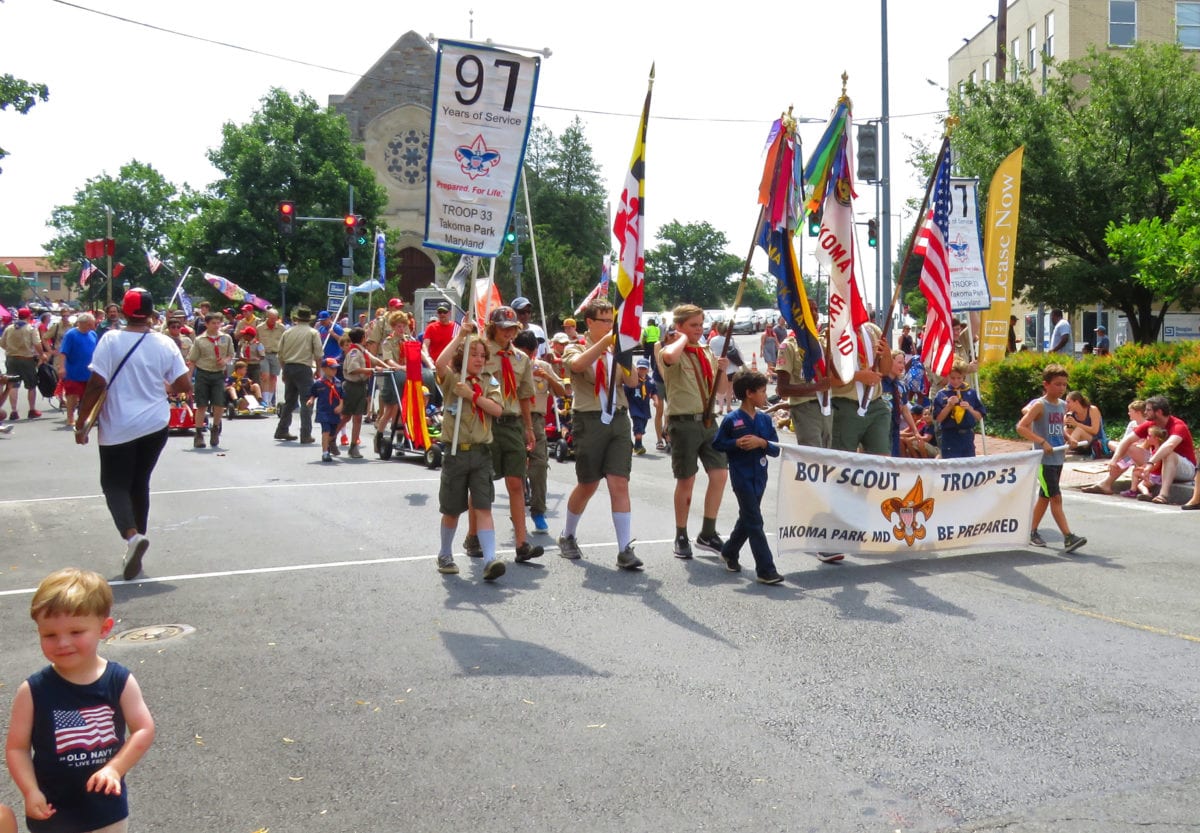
<point>466,355</point>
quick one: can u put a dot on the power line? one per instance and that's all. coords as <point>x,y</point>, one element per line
<point>360,75</point>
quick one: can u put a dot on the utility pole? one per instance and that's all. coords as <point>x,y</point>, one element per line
<point>884,253</point>
<point>1001,38</point>
<point>108,249</point>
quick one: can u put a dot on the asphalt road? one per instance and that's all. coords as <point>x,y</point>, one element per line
<point>335,682</point>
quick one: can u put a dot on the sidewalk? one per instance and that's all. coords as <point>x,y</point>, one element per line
<point>1078,470</point>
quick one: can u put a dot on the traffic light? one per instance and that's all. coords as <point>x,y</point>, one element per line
<point>353,224</point>
<point>868,153</point>
<point>521,225</point>
<point>510,236</point>
<point>814,222</point>
<point>286,216</point>
<point>872,232</point>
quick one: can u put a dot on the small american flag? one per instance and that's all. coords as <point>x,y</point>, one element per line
<point>88,728</point>
<point>155,263</point>
<point>937,352</point>
<point>86,274</point>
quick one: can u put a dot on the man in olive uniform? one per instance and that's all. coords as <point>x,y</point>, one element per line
<point>300,352</point>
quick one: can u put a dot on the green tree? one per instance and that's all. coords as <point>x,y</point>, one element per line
<point>147,209</point>
<point>1165,254</point>
<point>290,149</point>
<point>21,95</point>
<point>1097,144</point>
<point>691,265</point>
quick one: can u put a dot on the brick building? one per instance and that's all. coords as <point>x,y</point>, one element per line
<point>44,279</point>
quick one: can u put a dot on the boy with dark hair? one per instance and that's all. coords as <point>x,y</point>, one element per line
<point>326,392</point>
<point>747,436</point>
<point>66,749</point>
<point>1044,425</point>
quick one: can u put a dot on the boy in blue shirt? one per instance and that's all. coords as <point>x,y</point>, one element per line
<point>326,392</point>
<point>640,396</point>
<point>747,436</point>
<point>957,410</point>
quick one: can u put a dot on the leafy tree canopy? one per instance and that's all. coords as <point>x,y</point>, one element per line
<point>146,210</point>
<point>691,265</point>
<point>21,95</point>
<point>1097,144</point>
<point>291,149</point>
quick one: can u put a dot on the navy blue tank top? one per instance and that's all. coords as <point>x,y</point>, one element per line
<point>77,729</point>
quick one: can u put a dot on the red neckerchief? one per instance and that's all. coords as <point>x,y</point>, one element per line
<point>354,348</point>
<point>702,360</point>
<point>334,396</point>
<point>601,376</point>
<point>477,392</point>
<point>508,376</point>
<point>270,324</point>
<point>216,349</point>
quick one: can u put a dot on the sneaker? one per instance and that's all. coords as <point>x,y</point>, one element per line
<point>493,570</point>
<point>626,560</point>
<point>34,414</point>
<point>660,446</point>
<point>134,552</point>
<point>731,564</point>
<point>568,548</point>
<point>198,442</point>
<point>326,457</point>
<point>539,523</point>
<point>471,546</point>
<point>1036,539</point>
<point>525,552</point>
<point>8,429</point>
<point>334,450</point>
<point>683,549</point>
<point>712,543</point>
<point>285,437</point>
<point>307,440</point>
<point>446,566</point>
<point>215,437</point>
<point>354,453</point>
<point>770,578</point>
<point>830,557</point>
<point>1073,542</point>
<point>639,450</point>
<point>14,416</point>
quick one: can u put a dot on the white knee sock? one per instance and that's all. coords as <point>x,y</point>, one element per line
<point>622,522</point>
<point>571,525</point>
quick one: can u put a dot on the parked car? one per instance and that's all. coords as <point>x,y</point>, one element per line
<point>769,315</point>
<point>743,321</point>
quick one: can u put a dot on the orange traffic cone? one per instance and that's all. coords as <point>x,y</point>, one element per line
<point>754,362</point>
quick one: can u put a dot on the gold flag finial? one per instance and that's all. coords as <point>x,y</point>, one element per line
<point>789,121</point>
<point>845,98</point>
<point>951,122</point>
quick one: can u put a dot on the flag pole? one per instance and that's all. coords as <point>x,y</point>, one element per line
<point>537,272</point>
<point>178,286</point>
<point>912,238</point>
<point>466,356</point>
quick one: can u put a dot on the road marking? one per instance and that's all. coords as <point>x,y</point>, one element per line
<point>295,568</point>
<point>20,501</point>
<point>1135,625</point>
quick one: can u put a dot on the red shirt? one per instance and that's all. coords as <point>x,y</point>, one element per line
<point>1176,427</point>
<point>437,335</point>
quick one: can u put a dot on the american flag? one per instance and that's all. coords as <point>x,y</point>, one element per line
<point>937,352</point>
<point>88,728</point>
<point>155,263</point>
<point>86,274</point>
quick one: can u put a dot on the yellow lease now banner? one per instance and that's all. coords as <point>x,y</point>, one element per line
<point>1000,254</point>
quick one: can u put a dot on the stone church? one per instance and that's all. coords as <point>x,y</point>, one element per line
<point>389,110</point>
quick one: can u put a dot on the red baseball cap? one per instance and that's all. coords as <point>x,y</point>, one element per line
<point>247,307</point>
<point>138,303</point>
<point>395,303</point>
<point>249,331</point>
<point>24,312</point>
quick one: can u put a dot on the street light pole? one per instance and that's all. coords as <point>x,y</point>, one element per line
<point>283,280</point>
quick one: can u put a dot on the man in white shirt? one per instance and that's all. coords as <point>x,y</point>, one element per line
<point>1060,338</point>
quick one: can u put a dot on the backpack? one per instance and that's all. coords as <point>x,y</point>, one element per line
<point>916,382</point>
<point>47,379</point>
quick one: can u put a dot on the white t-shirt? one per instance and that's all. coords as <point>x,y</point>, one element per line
<point>1062,328</point>
<point>137,398</point>
<point>543,345</point>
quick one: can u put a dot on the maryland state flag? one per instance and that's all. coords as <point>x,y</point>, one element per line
<point>629,228</point>
<point>781,195</point>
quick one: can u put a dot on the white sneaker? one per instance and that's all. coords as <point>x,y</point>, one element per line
<point>6,428</point>
<point>135,551</point>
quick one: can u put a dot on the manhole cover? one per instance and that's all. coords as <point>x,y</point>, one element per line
<point>152,633</point>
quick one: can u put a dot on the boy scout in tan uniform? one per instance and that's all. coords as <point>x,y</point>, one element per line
<point>271,334</point>
<point>811,426</point>
<point>545,383</point>
<point>513,429</point>
<point>212,353</point>
<point>690,373</point>
<point>472,403</point>
<point>602,432</point>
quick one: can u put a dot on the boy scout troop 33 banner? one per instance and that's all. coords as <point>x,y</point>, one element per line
<point>835,501</point>
<point>482,112</point>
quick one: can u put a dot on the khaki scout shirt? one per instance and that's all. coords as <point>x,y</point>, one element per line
<point>583,383</point>
<point>271,336</point>
<point>791,362</point>
<point>20,341</point>
<point>474,428</point>
<point>301,345</point>
<point>354,363</point>
<point>542,387</point>
<point>212,353</point>
<point>378,330</point>
<point>687,389</point>
<point>523,369</point>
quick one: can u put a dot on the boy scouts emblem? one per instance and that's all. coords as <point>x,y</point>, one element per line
<point>909,527</point>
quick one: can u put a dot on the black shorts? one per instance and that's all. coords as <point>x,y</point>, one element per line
<point>26,368</point>
<point>1048,477</point>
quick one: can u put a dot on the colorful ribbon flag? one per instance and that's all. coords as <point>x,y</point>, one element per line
<point>234,292</point>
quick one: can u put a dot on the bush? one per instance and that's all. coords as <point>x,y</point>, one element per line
<point>1133,371</point>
